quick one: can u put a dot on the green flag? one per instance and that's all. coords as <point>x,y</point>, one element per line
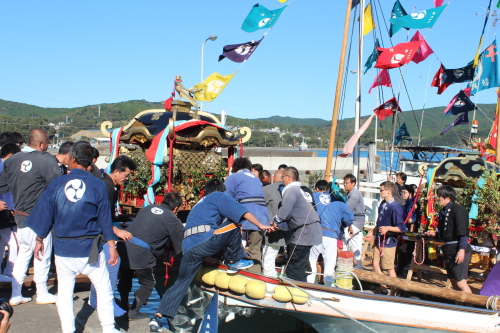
<point>373,57</point>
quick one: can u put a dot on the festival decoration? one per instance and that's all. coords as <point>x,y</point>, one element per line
<point>461,104</point>
<point>486,73</point>
<point>438,80</point>
<point>420,20</point>
<point>423,51</point>
<point>382,79</point>
<point>211,87</point>
<point>450,104</point>
<point>397,11</point>
<point>397,56</point>
<point>373,57</point>
<point>368,24</point>
<point>349,147</point>
<point>387,109</point>
<point>476,58</point>
<point>239,52</point>
<point>261,18</point>
<point>459,75</point>
<point>402,134</point>
<point>438,3</point>
<point>461,120</point>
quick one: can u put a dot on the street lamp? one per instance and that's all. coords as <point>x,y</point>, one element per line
<point>212,38</point>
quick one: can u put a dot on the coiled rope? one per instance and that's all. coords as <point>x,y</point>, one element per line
<point>493,299</point>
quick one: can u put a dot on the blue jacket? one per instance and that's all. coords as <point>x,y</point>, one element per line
<point>74,205</point>
<point>390,214</point>
<point>334,218</point>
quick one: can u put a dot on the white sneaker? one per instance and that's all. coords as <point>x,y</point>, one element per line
<point>5,278</point>
<point>19,300</point>
<point>46,298</point>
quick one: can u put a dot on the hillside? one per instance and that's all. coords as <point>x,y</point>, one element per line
<point>23,117</point>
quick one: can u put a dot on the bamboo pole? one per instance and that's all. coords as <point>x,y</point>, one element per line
<point>417,287</point>
<point>338,90</point>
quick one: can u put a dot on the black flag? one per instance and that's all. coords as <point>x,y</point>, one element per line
<point>462,104</point>
<point>458,75</point>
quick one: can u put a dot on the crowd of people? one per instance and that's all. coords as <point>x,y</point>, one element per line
<point>66,205</point>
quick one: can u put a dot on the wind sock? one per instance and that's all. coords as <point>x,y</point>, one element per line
<point>382,79</point>
<point>373,57</point>
<point>261,18</point>
<point>438,80</point>
<point>462,119</point>
<point>402,134</point>
<point>397,56</point>
<point>486,73</point>
<point>466,91</point>
<point>211,87</point>
<point>387,109</point>
<point>368,24</point>
<point>459,75</point>
<point>461,104</point>
<point>420,20</point>
<point>423,51</point>
<point>476,58</point>
<point>397,11</point>
<point>438,3</point>
<point>210,323</point>
<point>239,52</point>
<point>349,147</point>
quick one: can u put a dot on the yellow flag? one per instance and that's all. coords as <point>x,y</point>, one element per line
<point>476,58</point>
<point>282,1</point>
<point>211,87</point>
<point>368,24</point>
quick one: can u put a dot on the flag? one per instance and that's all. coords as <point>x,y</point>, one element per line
<point>368,24</point>
<point>373,57</point>
<point>210,323</point>
<point>462,119</point>
<point>349,147</point>
<point>387,109</point>
<point>420,20</point>
<point>382,79</point>
<point>498,4</point>
<point>397,56</point>
<point>354,3</point>
<point>461,104</point>
<point>486,73</point>
<point>282,1</point>
<point>459,75</point>
<point>423,51</point>
<point>239,52</point>
<point>492,138</point>
<point>402,134</point>
<point>260,18</point>
<point>397,11</point>
<point>438,80</point>
<point>438,3</point>
<point>211,87</point>
<point>476,58</point>
<point>466,91</point>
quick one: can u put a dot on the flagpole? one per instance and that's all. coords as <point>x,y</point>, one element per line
<point>338,90</point>
<point>357,110</point>
<point>423,108</point>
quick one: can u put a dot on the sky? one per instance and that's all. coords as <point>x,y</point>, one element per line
<point>60,53</point>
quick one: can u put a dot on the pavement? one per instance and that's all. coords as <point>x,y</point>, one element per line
<point>30,317</point>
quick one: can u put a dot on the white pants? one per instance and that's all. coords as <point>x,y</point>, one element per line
<point>7,238</point>
<point>354,244</point>
<point>269,254</point>
<point>27,241</point>
<point>329,251</point>
<point>67,269</point>
<point>113,276</point>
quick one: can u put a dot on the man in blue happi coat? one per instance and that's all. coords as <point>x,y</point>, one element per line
<point>212,225</point>
<point>247,189</point>
<point>76,208</point>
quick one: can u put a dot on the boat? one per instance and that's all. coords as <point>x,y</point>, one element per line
<point>303,145</point>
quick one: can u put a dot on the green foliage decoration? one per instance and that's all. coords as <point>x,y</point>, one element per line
<point>138,181</point>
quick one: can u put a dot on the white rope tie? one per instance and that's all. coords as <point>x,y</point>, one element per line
<point>493,299</point>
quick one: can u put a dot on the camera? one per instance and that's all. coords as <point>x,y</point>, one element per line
<point>5,306</point>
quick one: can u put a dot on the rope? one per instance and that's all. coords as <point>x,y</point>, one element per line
<point>494,299</point>
<point>342,275</point>
<point>415,252</point>
<point>383,245</point>
<point>328,305</point>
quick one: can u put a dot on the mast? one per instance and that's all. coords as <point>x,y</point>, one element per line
<point>357,109</point>
<point>338,90</point>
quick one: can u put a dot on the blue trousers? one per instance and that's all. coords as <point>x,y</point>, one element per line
<point>190,264</point>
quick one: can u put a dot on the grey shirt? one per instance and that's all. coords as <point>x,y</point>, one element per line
<point>273,200</point>
<point>300,217</point>
<point>27,175</point>
<point>356,205</point>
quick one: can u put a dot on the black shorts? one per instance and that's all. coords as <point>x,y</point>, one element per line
<point>455,271</point>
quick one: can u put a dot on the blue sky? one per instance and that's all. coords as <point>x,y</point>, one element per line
<point>60,53</point>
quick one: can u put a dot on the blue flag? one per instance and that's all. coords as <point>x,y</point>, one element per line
<point>419,20</point>
<point>402,134</point>
<point>210,323</point>
<point>373,57</point>
<point>486,73</point>
<point>397,11</point>
<point>462,119</point>
<point>260,18</point>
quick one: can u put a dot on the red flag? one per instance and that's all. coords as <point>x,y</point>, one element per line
<point>438,3</point>
<point>423,51</point>
<point>438,81</point>
<point>168,103</point>
<point>387,109</point>
<point>466,91</point>
<point>397,56</point>
<point>382,79</point>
